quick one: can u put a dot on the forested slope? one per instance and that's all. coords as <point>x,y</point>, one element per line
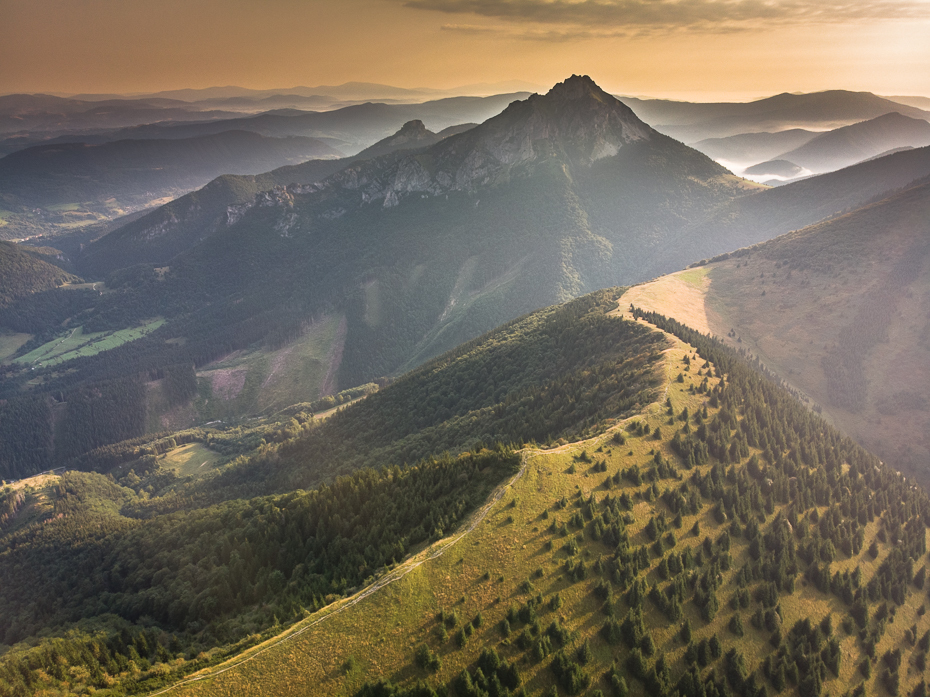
<point>727,542</point>
<point>200,562</point>
<point>419,250</point>
<point>23,273</point>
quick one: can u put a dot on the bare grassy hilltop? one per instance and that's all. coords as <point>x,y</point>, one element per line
<point>717,539</point>
<point>838,310</point>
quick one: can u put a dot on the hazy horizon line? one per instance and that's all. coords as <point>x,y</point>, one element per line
<point>490,88</point>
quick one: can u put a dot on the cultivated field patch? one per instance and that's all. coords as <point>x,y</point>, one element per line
<point>76,344</point>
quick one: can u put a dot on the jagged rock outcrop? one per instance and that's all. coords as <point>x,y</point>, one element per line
<point>575,121</point>
<point>413,135</point>
<point>424,248</point>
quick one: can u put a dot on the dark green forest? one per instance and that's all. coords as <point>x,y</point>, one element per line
<point>791,512</point>
<point>156,588</point>
<point>155,556</point>
<point>23,272</point>
<point>217,574</point>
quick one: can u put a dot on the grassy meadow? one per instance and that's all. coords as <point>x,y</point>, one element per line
<point>518,551</point>
<point>192,459</point>
<point>76,344</point>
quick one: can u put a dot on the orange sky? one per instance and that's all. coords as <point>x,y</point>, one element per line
<point>697,49</point>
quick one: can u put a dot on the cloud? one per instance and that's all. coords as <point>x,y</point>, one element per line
<point>546,35</point>
<point>593,18</point>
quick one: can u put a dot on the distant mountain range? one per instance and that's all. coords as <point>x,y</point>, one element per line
<point>762,156</point>
<point>919,102</point>
<point>747,149</point>
<point>357,126</point>
<point>28,120</point>
<point>345,91</point>
<point>38,115</point>
<point>692,122</point>
<point>74,183</point>
<point>861,141</point>
<point>55,174</point>
<point>838,310</point>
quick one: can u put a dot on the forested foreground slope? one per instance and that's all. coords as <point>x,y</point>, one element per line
<point>718,538</point>
<point>723,542</point>
<point>148,554</point>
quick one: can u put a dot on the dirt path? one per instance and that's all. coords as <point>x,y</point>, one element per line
<point>434,551</point>
<point>57,345</point>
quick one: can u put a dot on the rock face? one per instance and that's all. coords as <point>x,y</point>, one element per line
<point>176,226</point>
<point>576,117</point>
<point>576,121</point>
<point>413,135</point>
<point>424,248</point>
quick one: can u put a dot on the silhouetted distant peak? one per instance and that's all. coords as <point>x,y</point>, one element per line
<point>412,127</point>
<point>893,116</point>
<point>577,87</point>
<point>413,134</point>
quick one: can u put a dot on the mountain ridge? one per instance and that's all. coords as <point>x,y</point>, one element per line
<point>175,226</point>
<point>859,142</point>
<point>835,309</point>
<point>557,196</point>
<point>692,122</point>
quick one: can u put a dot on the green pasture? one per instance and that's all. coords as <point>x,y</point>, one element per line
<point>10,343</point>
<point>190,460</point>
<point>77,344</point>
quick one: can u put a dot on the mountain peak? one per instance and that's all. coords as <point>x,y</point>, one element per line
<point>412,128</point>
<point>577,87</point>
<point>576,123</point>
<point>412,135</point>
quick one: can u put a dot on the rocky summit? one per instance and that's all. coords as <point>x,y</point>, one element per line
<point>404,255</point>
<point>575,120</point>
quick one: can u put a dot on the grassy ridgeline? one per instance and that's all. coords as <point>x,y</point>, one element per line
<point>723,542</point>
<point>562,371</point>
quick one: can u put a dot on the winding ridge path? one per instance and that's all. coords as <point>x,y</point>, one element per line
<point>435,550</point>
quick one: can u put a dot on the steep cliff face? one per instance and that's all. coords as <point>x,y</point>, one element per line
<point>178,225</point>
<point>424,248</point>
<point>560,194</point>
<point>576,121</point>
